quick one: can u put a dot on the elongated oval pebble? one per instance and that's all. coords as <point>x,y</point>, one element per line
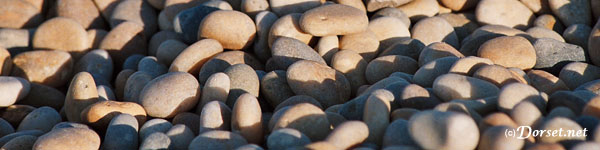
<point>246,118</point>
<point>348,134</point>
<point>82,93</point>
<point>51,68</point>
<point>335,19</point>
<point>43,119</point>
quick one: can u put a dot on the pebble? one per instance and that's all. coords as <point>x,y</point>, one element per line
<point>288,26</point>
<point>494,138</point>
<point>51,68</point>
<point>509,51</point>
<point>415,96</point>
<point>496,75</point>
<point>215,115</point>
<point>224,60</point>
<point>353,66</point>
<point>246,118</point>
<point>154,126</point>
<point>591,86</point>
<point>494,120</point>
<point>243,80</point>
<point>550,22</point>
<point>427,74</point>
<point>364,43</point>
<point>593,44</point>
<point>157,140</point>
<point>333,89</point>
<point>14,114</point>
<point>463,23</point>
<point>253,7</point>
<point>78,138</point>
<point>120,82</point>
<point>511,94</point>
<point>453,86</point>
<point>354,3</point>
<point>124,40</point>
<point>397,134</point>
<point>100,114</point>
<point>406,47</point>
<point>297,100</point>
<point>13,89</point>
<point>373,5</point>
<point>306,118</point>
<point>214,140</point>
<point>5,128</point>
<point>187,21</point>
<point>19,14</point>
<point>339,20</point>
<point>437,50</point>
<point>105,93</point>
<point>5,62</point>
<point>561,112</point>
<point>170,94</point>
<point>192,58</point>
<point>392,12</point>
<point>287,51</point>
<point>84,12</point>
<point>482,106</point>
<point>121,133</point>
<point>460,4</point>
<point>150,65</point>
<point>284,7</point>
<point>132,61</point>
<point>348,134</point>
<point>574,100</point>
<point>510,13</point>
<point>134,86</point>
<point>388,30</point>
<point>43,119</point>
<point>438,130</point>
<point>537,6</point>
<point>470,44</point>
<point>419,9</point>
<point>322,145</point>
<point>594,5</point>
<point>181,136</point>
<point>572,12</point>
<point>24,142</point>
<point>285,138</point>
<point>158,4</point>
<point>82,92</point>
<point>560,123</point>
<point>545,82</point>
<point>97,62</point>
<point>592,108</point>
<point>382,67</point>
<point>7,138</point>
<point>169,50</point>
<point>264,20</point>
<point>160,37</point>
<point>190,120</point>
<point>376,114</point>
<point>551,53</point>
<point>274,87</point>
<point>541,32</point>
<point>137,11</point>
<point>106,7</point>
<point>216,89</point>
<point>72,37</point>
<point>435,29</point>
<point>575,74</point>
<point>577,34</point>
<point>236,32</point>
<point>223,5</point>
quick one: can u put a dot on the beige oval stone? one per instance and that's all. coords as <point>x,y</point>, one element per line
<point>19,14</point>
<point>327,47</point>
<point>233,29</point>
<point>546,82</point>
<point>216,88</point>
<point>510,13</point>
<point>82,11</point>
<point>124,40</point>
<point>419,9</point>
<point>468,65</point>
<point>511,94</point>
<point>496,119</point>
<point>443,130</point>
<point>388,29</point>
<point>572,12</point>
<point>253,7</point>
<point>376,114</point>
<point>495,74</point>
<point>454,86</point>
<point>51,68</point>
<point>550,22</point>
<point>348,134</point>
<point>288,26</point>
<point>458,5</point>
<point>509,51</point>
<point>335,19</point>
<point>437,50</point>
<point>325,84</point>
<point>193,57</point>
<point>215,115</point>
<point>95,36</point>
<point>137,11</point>
<point>575,74</point>
<point>364,43</point>
<point>353,66</point>
<point>63,34</point>
<point>170,94</point>
<point>382,67</point>
<point>284,7</point>
<point>435,29</point>
<point>541,32</point>
<point>246,118</point>
<point>223,60</point>
<point>306,118</point>
<point>13,89</point>
<point>464,23</point>
<point>427,74</point>
<point>354,3</point>
<point>68,138</point>
<point>82,93</point>
<point>99,114</point>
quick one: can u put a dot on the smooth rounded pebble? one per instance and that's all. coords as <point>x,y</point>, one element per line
<point>353,66</point>
<point>43,119</point>
<point>24,142</point>
<point>157,140</point>
<point>364,43</point>
<point>397,134</point>
<point>13,89</point>
<point>575,74</point>
<point>124,40</point>
<point>7,138</point>
<point>550,22</point>
<point>443,130</point>
<point>84,12</point>
<point>215,140</point>
<point>19,14</point>
<point>152,66</point>
<point>284,7</point>
<point>572,12</point>
<point>169,50</point>
<point>286,51</point>
<point>348,134</point>
<point>437,50</point>
<point>62,34</point>
<point>304,117</point>
<point>82,93</point>
<point>153,126</point>
<point>382,67</point>
<point>334,19</point>
<point>192,58</point>
<point>233,29</point>
<point>99,114</point>
<point>593,44</point>
<point>78,138</point>
<point>435,29</point>
<point>330,88</point>
<point>509,51</point>
<point>215,115</point>
<point>511,94</point>
<point>453,86</point>
<point>494,138</point>
<point>496,75</point>
<point>187,21</point>
<point>285,138</point>
<point>288,26</point>
<point>134,86</point>
<point>577,34</point>
<point>121,133</point>
<point>376,114</point>
<point>223,60</point>
<point>243,80</point>
<point>274,87</point>
<point>426,75</point>
<point>52,68</point>
<point>180,136</point>
<point>560,123</point>
<point>170,94</point>
<point>264,21</point>
<point>246,118</point>
<point>297,100</point>
<point>510,13</point>
<point>419,9</point>
<point>468,65</point>
<point>545,82</point>
<point>216,88</point>
<point>97,62</point>
<point>137,11</point>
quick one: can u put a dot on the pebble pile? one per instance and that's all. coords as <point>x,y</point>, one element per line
<point>298,74</point>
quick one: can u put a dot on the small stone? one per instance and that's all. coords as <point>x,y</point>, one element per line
<point>215,140</point>
<point>169,94</point>
<point>43,119</point>
<point>150,65</point>
<point>468,65</point>
<point>124,40</point>
<point>160,37</point>
<point>5,62</point>
<point>537,6</point>
<point>264,21</point>
<point>427,74</point>
<point>392,12</point>
<point>495,74</point>
<point>494,138</point>
<point>253,7</point>
<point>223,60</point>
<point>406,47</point>
<point>153,126</point>
<point>68,138</point>
<point>552,53</point>
<point>9,137</point>
<point>216,89</point>
<point>419,9</point>
<point>560,123</point>
<point>550,22</point>
<point>274,87</point>
<point>287,51</point>
<point>415,96</point>
<point>348,134</point>
<point>106,7</point>
<point>288,26</point>
<point>546,82</point>
<point>243,80</point>
<point>169,50</point>
<point>339,20</point>
<point>100,114</point>
<point>134,86</point>
<point>132,62</point>
<point>373,5</point>
<point>297,100</point>
<point>121,133</point>
<point>435,29</point>
<point>463,23</point>
<point>454,86</point>
<point>382,67</point>
<point>187,21</point>
<point>215,115</point>
<point>82,92</point>
<point>353,66</point>
<point>593,45</point>
<point>577,73</point>
<point>443,130</point>
<point>511,94</point>
<point>136,11</point>
<point>5,128</point>
<point>574,100</point>
<point>354,3</point>
<point>120,82</point>
<point>14,114</point>
<point>397,134</point>
<point>306,118</point>
<point>285,138</point>
<point>364,43</point>
<point>249,147</point>
<point>97,62</point>
<point>541,32</point>
<point>227,31</point>
<point>471,44</point>
<point>572,12</point>
<point>181,136</point>
<point>376,115</point>
<point>192,58</point>
<point>578,34</point>
<point>460,4</point>
<point>224,4</point>
<point>24,142</point>
<point>63,34</point>
<point>13,89</point>
<point>334,89</point>
<point>284,7</point>
<point>510,13</point>
<point>51,68</point>
<point>437,50</point>
<point>560,112</point>
<point>592,108</point>
<point>82,11</point>
<point>157,140</point>
<point>494,120</point>
<point>509,51</point>
<point>19,14</point>
<point>388,30</point>
<point>190,120</point>
<point>246,118</point>
<point>105,93</point>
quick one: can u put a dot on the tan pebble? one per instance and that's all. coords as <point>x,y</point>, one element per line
<point>348,134</point>
<point>510,13</point>
<point>285,138</point>
<point>592,108</point>
<point>546,82</point>
<point>427,74</point>
<point>509,51</point>
<point>62,34</point>
<point>354,3</point>
<point>106,7</point>
<point>51,68</point>
<point>382,67</point>
<point>214,140</point>
<point>403,113</point>
<point>593,45</point>
<point>78,138</point>
<point>494,138</point>
<point>302,74</point>
<point>284,7</point>
<point>82,11</point>
<point>463,23</point>
<point>13,89</point>
<point>236,32</point>
<point>437,50</point>
<point>215,115</point>
<point>19,14</point>
<point>95,36</point>
<point>537,6</point>
<point>468,65</point>
<point>365,43</point>
<point>495,74</point>
<point>246,118</point>
<point>454,86</point>
<point>511,94</point>
<point>376,114</point>
<point>340,20</point>
<point>253,7</point>
<point>124,40</point>
<point>327,47</point>
<point>541,32</point>
<point>419,9</point>
<point>170,94</point>
<point>575,74</point>
<point>443,130</point>
<point>353,66</point>
<point>496,119</point>
<point>392,12</point>
<point>81,94</point>
<point>548,21</point>
<point>471,43</point>
<point>306,118</point>
<point>99,114</point>
<point>264,20</point>
<point>435,29</point>
<point>193,57</point>
<point>288,26</point>
<point>223,60</point>
<point>572,12</point>
<point>216,89</point>
<point>458,5</point>
<point>389,30</point>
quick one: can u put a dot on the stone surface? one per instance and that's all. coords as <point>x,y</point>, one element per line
<point>97,62</point>
<point>157,140</point>
<point>51,68</point>
<point>494,138</point>
<point>181,136</point>
<point>348,134</point>
<point>159,37</point>
<point>100,114</point>
<point>426,75</point>
<point>82,93</point>
<point>353,66</point>
<point>557,123</point>
<point>339,20</point>
<point>216,89</point>
<point>169,50</point>
<point>511,94</point>
<point>509,51</point>
<point>454,86</point>
<point>550,22</point>
<point>419,9</point>
<point>134,86</point>
<point>405,47</point>
<point>287,51</point>
<point>246,118</point>
<point>577,73</point>
<point>468,65</point>
<point>285,138</point>
<point>215,115</point>
<point>577,34</point>
<point>236,32</point>
<point>121,133</point>
<point>223,60</point>
<point>435,29</point>
<point>14,114</point>
<point>217,140</point>
<point>137,11</point>
<point>306,118</point>
<point>496,74</point>
<point>284,7</point>
<point>169,94</point>
<point>325,84</point>
<point>392,12</point>
<point>264,21</point>
<point>443,130</point>
<point>24,142</point>
<point>546,82</point>
<point>153,126</point>
<point>187,21</point>
<point>82,11</point>
<point>288,26</point>
<point>194,56</point>
<point>382,67</point>
<point>243,80</point>
<point>62,34</point>
<point>437,50</point>
<point>593,45</point>
<point>376,115</point>
<point>19,14</point>
<point>550,53</point>
<point>78,138</point>
<point>13,89</point>
<point>364,43</point>
<point>124,40</point>
<point>541,32</point>
<point>511,13</point>
<point>152,66</point>
<point>43,119</point>
<point>572,12</point>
